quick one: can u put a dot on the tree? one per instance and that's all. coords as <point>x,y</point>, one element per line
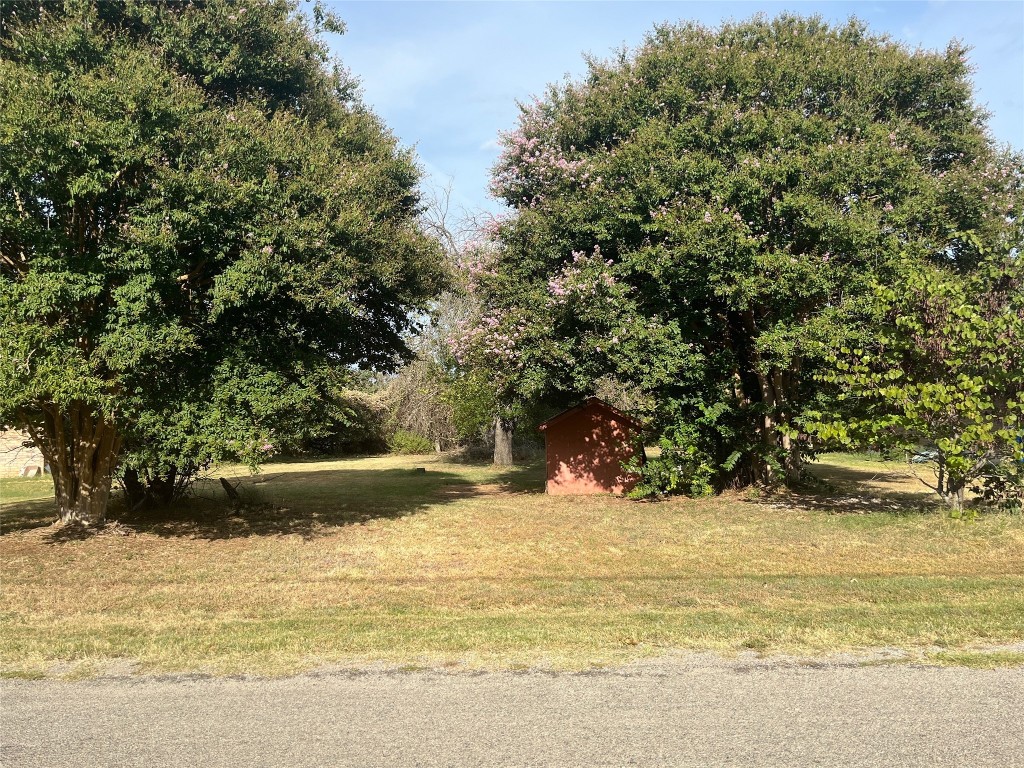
<point>489,359</point>
<point>419,395</point>
<point>201,228</point>
<point>942,374</point>
<point>697,217</point>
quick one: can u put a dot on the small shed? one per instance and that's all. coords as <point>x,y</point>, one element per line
<point>586,448</point>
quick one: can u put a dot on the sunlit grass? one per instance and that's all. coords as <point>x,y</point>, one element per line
<point>994,659</point>
<point>367,560</point>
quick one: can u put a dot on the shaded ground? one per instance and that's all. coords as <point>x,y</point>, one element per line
<point>301,498</point>
<point>859,484</point>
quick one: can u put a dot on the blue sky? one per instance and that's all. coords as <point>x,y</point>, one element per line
<point>445,76</point>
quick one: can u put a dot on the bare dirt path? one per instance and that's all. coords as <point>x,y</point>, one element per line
<point>691,712</point>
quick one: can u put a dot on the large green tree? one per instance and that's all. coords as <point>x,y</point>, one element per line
<point>201,229</point>
<point>695,217</point>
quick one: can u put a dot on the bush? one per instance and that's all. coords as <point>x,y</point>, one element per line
<point>355,424</point>
<point>404,442</point>
<point>678,469</point>
<point>686,463</point>
<point>1002,486</point>
<point>418,403</point>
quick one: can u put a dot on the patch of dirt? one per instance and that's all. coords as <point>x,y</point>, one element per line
<point>469,491</point>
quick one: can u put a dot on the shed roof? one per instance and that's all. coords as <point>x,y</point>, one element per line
<point>592,402</point>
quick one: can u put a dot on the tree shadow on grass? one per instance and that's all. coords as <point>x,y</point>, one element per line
<point>26,515</point>
<point>838,490</point>
<point>524,478</point>
<point>305,501</point>
<point>519,480</point>
<point>844,503</point>
<point>840,475</point>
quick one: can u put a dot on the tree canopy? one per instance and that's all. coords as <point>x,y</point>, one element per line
<point>698,219</point>
<point>941,373</point>
<point>201,228</point>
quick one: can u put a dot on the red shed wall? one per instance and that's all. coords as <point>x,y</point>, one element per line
<point>585,452</point>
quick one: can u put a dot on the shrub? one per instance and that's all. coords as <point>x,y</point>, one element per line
<point>1002,486</point>
<point>404,442</point>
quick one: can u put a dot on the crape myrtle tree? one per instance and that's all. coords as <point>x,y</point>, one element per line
<point>494,375</point>
<point>201,229</point>
<point>696,218</point>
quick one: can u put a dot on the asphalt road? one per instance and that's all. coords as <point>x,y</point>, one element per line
<point>679,713</point>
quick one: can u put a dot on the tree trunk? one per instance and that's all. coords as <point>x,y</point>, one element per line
<point>765,395</point>
<point>503,442</point>
<point>767,427</point>
<point>81,448</point>
<point>163,488</point>
<point>134,489</point>
<point>776,389</point>
<point>791,460</point>
<point>783,385</point>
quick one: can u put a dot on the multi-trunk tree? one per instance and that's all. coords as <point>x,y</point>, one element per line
<point>201,228</point>
<point>697,217</point>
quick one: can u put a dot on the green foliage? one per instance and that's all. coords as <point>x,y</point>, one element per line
<point>404,442</point>
<point>943,370</point>
<point>200,227</point>
<point>473,403</point>
<point>1001,485</point>
<point>356,424</point>
<point>681,467</point>
<point>701,217</point>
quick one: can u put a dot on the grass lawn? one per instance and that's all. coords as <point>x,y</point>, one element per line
<point>363,560</point>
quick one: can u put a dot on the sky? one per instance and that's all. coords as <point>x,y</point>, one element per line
<point>446,76</point>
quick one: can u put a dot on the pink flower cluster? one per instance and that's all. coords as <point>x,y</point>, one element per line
<point>530,166</point>
<point>494,337</point>
<point>585,276</point>
<point>492,227</point>
<point>477,262</point>
<point>531,162</point>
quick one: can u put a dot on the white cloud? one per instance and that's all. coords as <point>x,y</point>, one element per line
<point>445,76</point>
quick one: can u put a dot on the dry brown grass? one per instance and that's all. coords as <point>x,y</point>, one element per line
<point>347,562</point>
